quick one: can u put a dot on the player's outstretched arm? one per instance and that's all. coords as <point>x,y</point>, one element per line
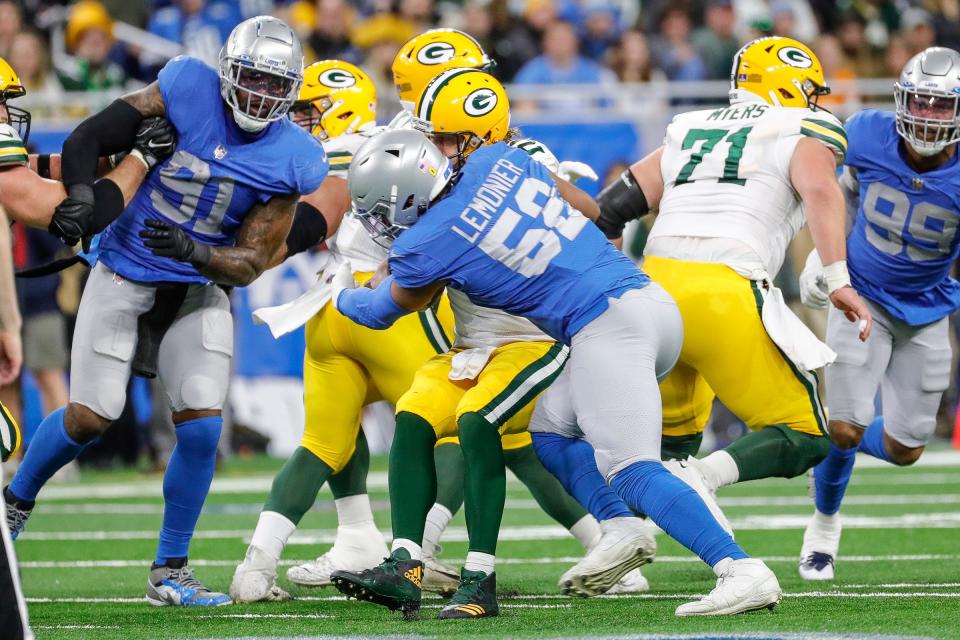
<point>631,196</point>
<point>813,176</point>
<point>380,307</point>
<point>11,352</point>
<point>317,217</point>
<point>31,200</point>
<point>577,197</point>
<point>260,236</point>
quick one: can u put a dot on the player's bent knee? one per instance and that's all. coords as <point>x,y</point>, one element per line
<point>84,424</point>
<point>845,435</point>
<point>901,455</point>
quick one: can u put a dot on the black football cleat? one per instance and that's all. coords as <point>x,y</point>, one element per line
<point>476,597</point>
<point>395,583</point>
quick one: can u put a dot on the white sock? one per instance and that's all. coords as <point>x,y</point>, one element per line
<point>437,520</point>
<point>587,531</point>
<point>414,549</point>
<point>720,469</point>
<point>477,561</point>
<point>825,523</point>
<point>272,532</point>
<point>354,510</point>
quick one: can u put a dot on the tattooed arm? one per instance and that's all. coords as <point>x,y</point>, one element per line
<point>262,233</point>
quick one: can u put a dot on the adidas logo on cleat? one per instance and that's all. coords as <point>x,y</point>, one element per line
<point>414,575</point>
<point>472,609</point>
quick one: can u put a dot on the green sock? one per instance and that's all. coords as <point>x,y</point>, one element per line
<point>679,447</point>
<point>543,485</point>
<point>449,460</point>
<point>352,479</point>
<point>296,486</point>
<point>777,451</point>
<point>412,477</point>
<point>485,486</point>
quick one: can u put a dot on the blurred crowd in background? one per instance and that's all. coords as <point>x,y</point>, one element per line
<point>63,50</point>
<point>59,47</point>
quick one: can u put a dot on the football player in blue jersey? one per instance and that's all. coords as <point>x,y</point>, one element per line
<point>903,182</point>
<point>209,216</point>
<point>502,232</point>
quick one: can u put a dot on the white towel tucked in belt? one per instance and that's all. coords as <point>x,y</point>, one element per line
<point>467,364</point>
<point>284,318</point>
<point>789,333</point>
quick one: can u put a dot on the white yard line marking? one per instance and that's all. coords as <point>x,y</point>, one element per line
<point>549,596</point>
<point>518,504</point>
<point>199,562</point>
<point>755,522</point>
<point>308,616</point>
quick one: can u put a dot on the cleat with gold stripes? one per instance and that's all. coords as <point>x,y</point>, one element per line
<point>395,583</point>
<point>476,597</point>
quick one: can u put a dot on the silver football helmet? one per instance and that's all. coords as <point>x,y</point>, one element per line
<point>394,177</point>
<point>928,100</point>
<point>261,70</point>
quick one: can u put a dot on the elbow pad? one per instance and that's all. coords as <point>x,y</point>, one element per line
<point>110,131</point>
<point>373,308</point>
<point>620,202</point>
<point>309,229</point>
<point>107,205</point>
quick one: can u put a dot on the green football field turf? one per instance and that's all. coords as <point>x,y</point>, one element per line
<point>86,551</point>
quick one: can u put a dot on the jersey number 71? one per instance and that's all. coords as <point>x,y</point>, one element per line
<point>710,138</point>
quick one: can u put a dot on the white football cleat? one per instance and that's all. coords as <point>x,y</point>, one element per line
<point>355,549</point>
<point>439,577</point>
<point>625,544</point>
<point>633,582</point>
<point>689,471</point>
<point>255,579</point>
<point>742,585</point>
<point>821,542</point>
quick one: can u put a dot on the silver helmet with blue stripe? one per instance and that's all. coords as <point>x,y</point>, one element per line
<point>928,100</point>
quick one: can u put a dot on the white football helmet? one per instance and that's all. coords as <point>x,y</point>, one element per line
<point>928,100</point>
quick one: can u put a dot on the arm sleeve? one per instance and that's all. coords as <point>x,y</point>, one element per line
<point>110,131</point>
<point>373,308</point>
<point>309,229</point>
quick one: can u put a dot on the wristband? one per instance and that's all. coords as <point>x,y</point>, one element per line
<point>139,156</point>
<point>836,275</point>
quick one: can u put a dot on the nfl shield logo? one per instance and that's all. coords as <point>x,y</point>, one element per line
<point>220,152</point>
<point>917,183</point>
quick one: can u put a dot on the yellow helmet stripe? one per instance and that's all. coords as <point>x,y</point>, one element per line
<point>430,94</point>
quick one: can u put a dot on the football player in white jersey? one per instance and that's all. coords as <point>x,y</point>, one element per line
<point>346,366</point>
<point>733,185</point>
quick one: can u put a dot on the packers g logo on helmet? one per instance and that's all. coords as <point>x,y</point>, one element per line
<point>782,72</point>
<point>336,98</point>
<point>795,57</point>
<point>480,102</point>
<point>422,57</point>
<point>436,53</point>
<point>468,104</point>
<point>338,78</point>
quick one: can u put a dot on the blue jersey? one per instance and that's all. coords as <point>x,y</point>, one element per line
<point>904,240</point>
<point>212,180</point>
<point>506,238</point>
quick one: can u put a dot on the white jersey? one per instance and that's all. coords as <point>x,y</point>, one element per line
<point>727,191</point>
<point>351,241</point>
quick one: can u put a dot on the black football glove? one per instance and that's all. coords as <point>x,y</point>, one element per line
<point>72,216</point>
<point>170,241</point>
<point>156,140</point>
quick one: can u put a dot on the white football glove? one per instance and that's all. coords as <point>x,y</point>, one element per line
<point>813,283</point>
<point>571,171</point>
<point>342,279</point>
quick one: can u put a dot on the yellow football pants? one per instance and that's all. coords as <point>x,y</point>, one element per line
<point>504,392</point>
<point>727,352</point>
<point>347,366</point>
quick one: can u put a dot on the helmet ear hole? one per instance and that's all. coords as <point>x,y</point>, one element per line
<point>786,94</point>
